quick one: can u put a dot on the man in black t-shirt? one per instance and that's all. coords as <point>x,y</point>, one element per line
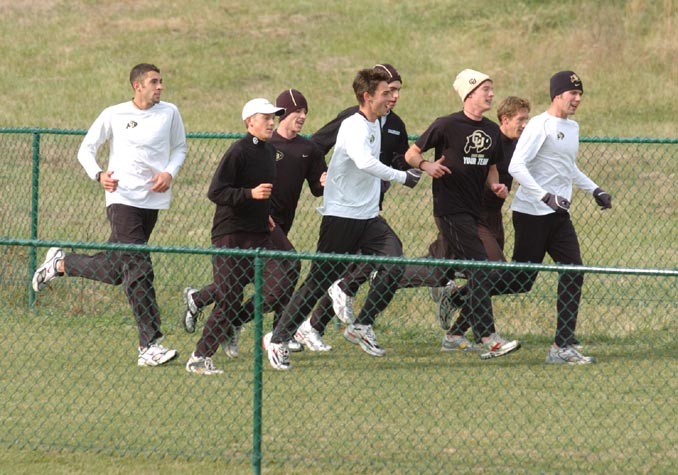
<point>467,149</point>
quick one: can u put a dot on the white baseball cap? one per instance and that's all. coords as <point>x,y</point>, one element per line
<point>260,106</point>
<point>468,81</point>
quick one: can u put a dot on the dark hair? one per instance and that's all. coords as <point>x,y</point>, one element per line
<point>367,81</point>
<point>139,71</point>
<point>511,105</point>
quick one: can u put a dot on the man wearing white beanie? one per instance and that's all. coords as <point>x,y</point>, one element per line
<point>467,147</point>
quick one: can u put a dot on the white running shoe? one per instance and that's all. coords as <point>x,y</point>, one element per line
<point>155,355</point>
<point>48,270</point>
<point>192,312</point>
<point>294,346</point>
<point>278,355</point>
<point>230,346</point>
<point>341,303</point>
<point>266,341</point>
<point>202,365</point>
<point>567,355</point>
<point>447,303</point>
<point>363,335</point>
<point>497,346</point>
<point>459,343</point>
<point>310,337</point>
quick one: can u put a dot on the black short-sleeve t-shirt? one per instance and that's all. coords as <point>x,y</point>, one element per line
<point>469,147</point>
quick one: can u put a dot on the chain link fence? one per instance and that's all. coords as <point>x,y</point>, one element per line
<point>70,382</point>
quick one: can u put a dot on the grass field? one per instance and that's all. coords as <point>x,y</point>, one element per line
<point>416,411</point>
<point>73,399</point>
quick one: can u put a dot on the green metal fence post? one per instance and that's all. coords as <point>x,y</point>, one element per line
<point>258,354</point>
<point>34,212</point>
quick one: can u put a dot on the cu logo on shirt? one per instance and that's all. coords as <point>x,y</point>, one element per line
<point>477,142</point>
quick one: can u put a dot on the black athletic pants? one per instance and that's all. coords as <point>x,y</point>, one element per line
<point>345,236</point>
<point>275,297</point>
<point>134,270</point>
<point>231,275</point>
<point>535,236</point>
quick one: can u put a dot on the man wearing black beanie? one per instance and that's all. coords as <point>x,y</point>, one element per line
<point>544,163</point>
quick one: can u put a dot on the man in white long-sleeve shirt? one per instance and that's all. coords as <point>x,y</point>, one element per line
<point>544,165</point>
<point>351,221</point>
<point>147,145</point>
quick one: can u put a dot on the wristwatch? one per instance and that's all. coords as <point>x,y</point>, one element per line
<point>96,177</point>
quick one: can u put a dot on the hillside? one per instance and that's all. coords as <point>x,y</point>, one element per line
<point>63,62</point>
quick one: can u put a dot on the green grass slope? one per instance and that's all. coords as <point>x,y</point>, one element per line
<point>64,61</point>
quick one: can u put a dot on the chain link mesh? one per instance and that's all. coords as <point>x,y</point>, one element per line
<point>70,381</point>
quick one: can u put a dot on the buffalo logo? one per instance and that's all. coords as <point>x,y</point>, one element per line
<point>372,138</point>
<point>477,142</point>
<point>279,155</point>
<point>574,79</point>
<point>561,136</point>
<point>131,124</point>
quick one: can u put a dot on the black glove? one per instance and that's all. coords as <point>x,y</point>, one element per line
<point>603,198</point>
<point>556,203</point>
<point>413,177</point>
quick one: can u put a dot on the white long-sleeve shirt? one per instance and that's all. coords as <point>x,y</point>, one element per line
<point>544,161</point>
<point>354,175</point>
<point>142,144</point>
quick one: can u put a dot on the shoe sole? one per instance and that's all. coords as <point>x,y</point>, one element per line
<point>188,328</point>
<point>51,254</point>
<point>356,340</point>
<point>590,360</point>
<point>457,349</point>
<point>340,315</point>
<point>233,354</point>
<point>443,314</point>
<point>294,348</point>
<point>206,372</point>
<point>304,342</point>
<point>496,354</point>
<point>143,363</point>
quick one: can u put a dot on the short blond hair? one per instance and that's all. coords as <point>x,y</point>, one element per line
<point>511,105</point>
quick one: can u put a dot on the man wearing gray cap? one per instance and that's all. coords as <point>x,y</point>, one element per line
<point>467,148</point>
<point>544,165</point>
<point>241,190</point>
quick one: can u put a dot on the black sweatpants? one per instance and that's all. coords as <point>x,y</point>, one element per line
<point>275,297</point>
<point>461,234</point>
<point>345,236</point>
<point>134,270</point>
<point>534,237</point>
<point>231,275</point>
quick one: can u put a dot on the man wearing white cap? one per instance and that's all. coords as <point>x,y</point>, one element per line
<point>241,190</point>
<point>467,148</point>
<point>297,160</point>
